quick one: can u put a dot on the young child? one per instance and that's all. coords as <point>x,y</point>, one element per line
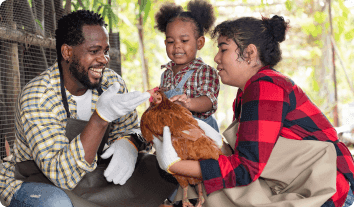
<point>187,80</point>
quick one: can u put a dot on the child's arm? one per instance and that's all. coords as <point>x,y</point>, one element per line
<point>199,104</point>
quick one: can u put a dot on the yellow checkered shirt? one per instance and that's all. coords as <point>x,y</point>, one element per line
<point>40,122</point>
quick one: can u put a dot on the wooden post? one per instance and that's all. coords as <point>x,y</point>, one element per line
<point>142,52</point>
<point>68,7</point>
<point>12,79</point>
<point>49,19</point>
<point>335,108</point>
<point>115,58</point>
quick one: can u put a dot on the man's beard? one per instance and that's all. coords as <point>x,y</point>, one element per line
<point>82,76</point>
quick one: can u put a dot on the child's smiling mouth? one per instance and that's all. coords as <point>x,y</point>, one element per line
<point>179,54</point>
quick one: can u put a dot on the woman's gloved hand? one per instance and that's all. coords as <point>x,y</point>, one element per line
<point>211,132</point>
<point>166,155</point>
<point>122,164</point>
<point>111,106</point>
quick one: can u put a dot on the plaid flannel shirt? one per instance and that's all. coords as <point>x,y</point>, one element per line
<point>204,81</point>
<point>40,122</point>
<point>272,106</point>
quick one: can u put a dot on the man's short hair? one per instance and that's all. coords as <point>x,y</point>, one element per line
<point>69,29</point>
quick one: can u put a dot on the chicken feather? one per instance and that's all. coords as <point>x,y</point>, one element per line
<point>188,139</point>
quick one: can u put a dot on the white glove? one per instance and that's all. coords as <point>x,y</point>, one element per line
<point>122,164</point>
<point>211,132</point>
<point>110,105</point>
<point>166,155</point>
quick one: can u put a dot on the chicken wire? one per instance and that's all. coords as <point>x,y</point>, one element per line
<point>27,48</point>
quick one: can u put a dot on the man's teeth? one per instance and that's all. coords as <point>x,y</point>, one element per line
<point>97,70</point>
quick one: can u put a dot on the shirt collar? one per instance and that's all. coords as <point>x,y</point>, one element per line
<point>259,71</point>
<point>192,65</point>
<point>55,81</point>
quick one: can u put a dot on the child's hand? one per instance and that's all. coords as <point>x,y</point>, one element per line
<point>182,100</point>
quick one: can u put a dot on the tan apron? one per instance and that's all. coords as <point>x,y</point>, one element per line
<point>298,173</point>
<point>148,186</point>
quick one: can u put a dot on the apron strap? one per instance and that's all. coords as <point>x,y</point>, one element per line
<point>63,94</point>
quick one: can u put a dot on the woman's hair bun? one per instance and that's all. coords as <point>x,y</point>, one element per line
<point>276,26</point>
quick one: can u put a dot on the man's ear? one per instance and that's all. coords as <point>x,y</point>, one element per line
<point>66,52</point>
<point>200,42</point>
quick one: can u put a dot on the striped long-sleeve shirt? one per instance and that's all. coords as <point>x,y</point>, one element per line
<point>270,106</point>
<point>40,122</point>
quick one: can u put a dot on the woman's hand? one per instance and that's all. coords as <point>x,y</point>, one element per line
<point>166,155</point>
<point>169,161</point>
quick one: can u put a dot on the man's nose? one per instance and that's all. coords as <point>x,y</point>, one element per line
<point>104,59</point>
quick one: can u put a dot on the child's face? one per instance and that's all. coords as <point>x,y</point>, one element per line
<point>181,43</point>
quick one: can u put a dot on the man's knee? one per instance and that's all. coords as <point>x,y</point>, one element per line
<point>40,194</point>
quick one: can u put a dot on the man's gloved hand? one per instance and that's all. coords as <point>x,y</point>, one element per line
<point>122,164</point>
<point>166,155</point>
<point>111,106</point>
<point>211,132</point>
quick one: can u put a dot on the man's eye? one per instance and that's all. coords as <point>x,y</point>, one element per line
<point>169,42</point>
<point>223,50</point>
<point>94,51</point>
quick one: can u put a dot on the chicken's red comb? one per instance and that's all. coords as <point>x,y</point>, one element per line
<point>155,89</point>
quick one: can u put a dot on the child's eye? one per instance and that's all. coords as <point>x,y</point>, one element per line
<point>223,50</point>
<point>185,40</point>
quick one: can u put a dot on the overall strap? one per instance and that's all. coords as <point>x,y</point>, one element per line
<point>185,78</point>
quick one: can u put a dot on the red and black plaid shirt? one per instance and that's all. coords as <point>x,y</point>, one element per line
<point>204,81</point>
<point>272,104</point>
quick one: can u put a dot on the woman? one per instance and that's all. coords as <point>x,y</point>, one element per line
<point>268,105</point>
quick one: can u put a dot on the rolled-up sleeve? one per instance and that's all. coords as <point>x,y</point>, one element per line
<point>61,161</point>
<point>208,85</point>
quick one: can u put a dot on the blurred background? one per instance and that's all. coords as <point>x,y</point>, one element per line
<point>318,52</point>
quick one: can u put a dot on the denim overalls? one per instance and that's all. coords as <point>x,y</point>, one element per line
<point>179,91</point>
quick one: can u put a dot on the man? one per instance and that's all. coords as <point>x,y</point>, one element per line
<point>51,108</point>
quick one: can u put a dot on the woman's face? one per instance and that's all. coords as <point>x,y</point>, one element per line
<point>232,69</point>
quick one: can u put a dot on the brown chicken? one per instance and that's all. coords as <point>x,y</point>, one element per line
<point>188,139</point>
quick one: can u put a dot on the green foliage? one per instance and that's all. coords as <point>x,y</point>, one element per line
<point>145,6</point>
<point>39,23</point>
<point>320,17</point>
<point>289,4</point>
<point>309,29</point>
<point>315,86</point>
<point>349,35</point>
<point>312,29</point>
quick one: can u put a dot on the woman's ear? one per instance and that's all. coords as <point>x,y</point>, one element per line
<point>251,53</point>
<point>200,42</point>
<point>66,52</point>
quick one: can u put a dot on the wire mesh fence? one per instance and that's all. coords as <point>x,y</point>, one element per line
<point>27,48</point>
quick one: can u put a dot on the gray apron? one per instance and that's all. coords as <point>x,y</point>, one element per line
<point>148,186</point>
<point>179,91</point>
